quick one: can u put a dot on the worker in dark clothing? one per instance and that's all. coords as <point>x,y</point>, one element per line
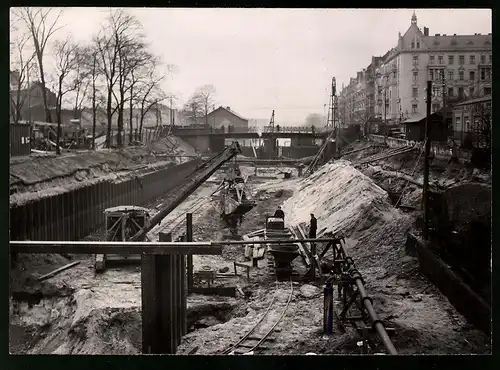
<point>279,213</point>
<point>313,226</point>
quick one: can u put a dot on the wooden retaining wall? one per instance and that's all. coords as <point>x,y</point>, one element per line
<point>75,214</point>
<point>465,300</point>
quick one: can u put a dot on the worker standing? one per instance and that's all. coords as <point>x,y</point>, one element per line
<point>313,226</point>
<point>279,213</point>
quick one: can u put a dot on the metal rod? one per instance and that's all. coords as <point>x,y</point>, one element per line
<point>425,192</point>
<point>189,238</point>
<point>114,247</point>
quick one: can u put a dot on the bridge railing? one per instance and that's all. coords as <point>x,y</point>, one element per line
<point>203,130</point>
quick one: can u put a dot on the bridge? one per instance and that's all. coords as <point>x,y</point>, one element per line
<point>286,132</point>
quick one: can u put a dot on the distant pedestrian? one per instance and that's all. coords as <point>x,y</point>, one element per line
<point>279,213</point>
<point>313,226</point>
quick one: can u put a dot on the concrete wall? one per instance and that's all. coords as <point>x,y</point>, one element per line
<point>75,214</point>
<point>200,143</point>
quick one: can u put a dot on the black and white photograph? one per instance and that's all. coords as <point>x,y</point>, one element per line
<point>250,181</point>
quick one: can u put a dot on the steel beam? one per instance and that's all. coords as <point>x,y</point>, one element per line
<point>92,247</point>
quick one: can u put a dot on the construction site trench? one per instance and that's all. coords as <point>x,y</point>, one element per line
<point>81,312</point>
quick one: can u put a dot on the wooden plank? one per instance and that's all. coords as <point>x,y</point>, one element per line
<point>182,272</point>
<point>148,311</point>
<point>222,291</point>
<point>58,271</point>
<point>189,238</point>
<point>91,247</point>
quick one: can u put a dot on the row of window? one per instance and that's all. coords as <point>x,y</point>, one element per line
<point>461,59</point>
<point>437,91</point>
<point>438,74</point>
<point>451,59</point>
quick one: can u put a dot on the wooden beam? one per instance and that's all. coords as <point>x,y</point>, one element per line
<point>89,247</point>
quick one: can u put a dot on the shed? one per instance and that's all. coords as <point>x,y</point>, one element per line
<point>415,128</point>
<point>20,139</point>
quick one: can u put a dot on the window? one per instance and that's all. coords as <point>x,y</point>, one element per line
<point>415,92</point>
<point>451,59</point>
<point>413,44</point>
<point>472,59</point>
<point>414,108</point>
<point>418,44</point>
<point>431,74</point>
<point>435,107</point>
<point>440,59</point>
<point>457,123</point>
<point>490,59</point>
<point>471,75</point>
<point>461,59</point>
<point>483,74</point>
<point>415,76</point>
<point>431,59</point>
<point>483,59</point>
<point>450,75</point>
<point>450,91</point>
<point>471,92</point>
<point>461,92</point>
<point>461,75</point>
<point>415,60</point>
<point>487,91</point>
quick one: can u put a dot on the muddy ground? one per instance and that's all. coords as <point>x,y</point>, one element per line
<point>78,312</point>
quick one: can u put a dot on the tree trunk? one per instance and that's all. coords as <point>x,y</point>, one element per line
<point>110,117</point>
<point>58,113</point>
<point>130,117</point>
<point>48,117</point>
<point>93,104</point>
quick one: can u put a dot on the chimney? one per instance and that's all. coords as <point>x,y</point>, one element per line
<point>437,34</point>
<point>426,31</point>
<point>228,108</point>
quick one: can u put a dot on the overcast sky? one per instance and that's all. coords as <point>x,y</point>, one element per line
<point>264,59</point>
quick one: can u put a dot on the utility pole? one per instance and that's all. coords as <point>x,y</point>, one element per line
<point>385,106</point>
<point>427,150</point>
<point>271,123</point>
<point>331,111</point>
<point>443,81</point>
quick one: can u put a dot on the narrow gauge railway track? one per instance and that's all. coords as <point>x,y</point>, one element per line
<point>260,332</point>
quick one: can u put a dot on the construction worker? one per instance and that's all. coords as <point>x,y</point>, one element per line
<point>313,226</point>
<point>279,213</point>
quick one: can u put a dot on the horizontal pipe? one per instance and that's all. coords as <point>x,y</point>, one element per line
<point>275,241</point>
<point>96,247</point>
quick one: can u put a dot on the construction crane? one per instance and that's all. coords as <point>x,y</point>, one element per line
<point>129,223</point>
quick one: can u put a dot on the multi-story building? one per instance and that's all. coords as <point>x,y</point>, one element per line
<point>356,101</point>
<point>458,65</point>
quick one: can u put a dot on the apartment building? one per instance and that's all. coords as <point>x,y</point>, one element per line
<point>460,67</point>
<point>356,101</point>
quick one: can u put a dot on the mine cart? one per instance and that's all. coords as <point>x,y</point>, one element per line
<point>284,252</point>
<point>121,223</point>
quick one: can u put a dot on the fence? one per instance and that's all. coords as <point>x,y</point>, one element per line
<point>73,215</point>
<point>20,139</point>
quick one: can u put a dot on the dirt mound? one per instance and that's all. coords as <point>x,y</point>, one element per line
<point>91,164</point>
<point>342,199</point>
<point>347,202</point>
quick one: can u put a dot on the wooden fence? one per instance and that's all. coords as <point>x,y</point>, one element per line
<point>75,214</point>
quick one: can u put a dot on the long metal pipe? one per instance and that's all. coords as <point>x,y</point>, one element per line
<point>368,303</point>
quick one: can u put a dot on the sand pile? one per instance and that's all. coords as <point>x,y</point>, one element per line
<point>343,200</point>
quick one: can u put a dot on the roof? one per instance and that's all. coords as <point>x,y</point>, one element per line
<point>420,117</point>
<point>230,111</point>
<point>482,99</point>
<point>459,42</point>
<point>126,208</point>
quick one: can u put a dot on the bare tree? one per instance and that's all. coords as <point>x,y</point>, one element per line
<point>150,95</point>
<point>82,78</point>
<point>205,97</point>
<point>21,63</point>
<point>41,30</point>
<point>65,54</point>
<point>194,108</point>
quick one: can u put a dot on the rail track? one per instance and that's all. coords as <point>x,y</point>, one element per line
<point>261,331</point>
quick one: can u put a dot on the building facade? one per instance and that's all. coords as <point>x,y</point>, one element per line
<point>460,67</point>
<point>472,121</point>
<point>356,103</point>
